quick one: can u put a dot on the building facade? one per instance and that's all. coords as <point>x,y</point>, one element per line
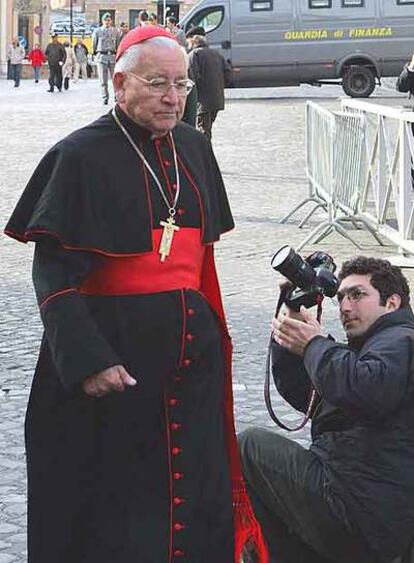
<point>127,11</point>
<point>8,29</point>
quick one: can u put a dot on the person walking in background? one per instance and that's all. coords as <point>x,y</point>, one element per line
<point>105,42</point>
<point>175,30</point>
<point>56,56</point>
<point>15,55</point>
<point>211,73</point>
<point>81,64</point>
<point>142,19</point>
<point>36,58</point>
<point>405,82</point>
<point>153,19</point>
<point>123,30</point>
<point>69,66</point>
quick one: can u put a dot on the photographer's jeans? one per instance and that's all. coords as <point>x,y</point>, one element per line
<point>301,520</point>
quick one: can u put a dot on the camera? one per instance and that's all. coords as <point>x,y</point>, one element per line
<point>312,278</point>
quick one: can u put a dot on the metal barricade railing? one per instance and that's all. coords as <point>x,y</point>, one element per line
<point>387,199</point>
<point>320,127</point>
<point>335,148</point>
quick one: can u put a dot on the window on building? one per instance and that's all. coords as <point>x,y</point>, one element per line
<point>210,18</point>
<point>313,4</point>
<point>404,2</point>
<point>353,3</point>
<point>261,5</point>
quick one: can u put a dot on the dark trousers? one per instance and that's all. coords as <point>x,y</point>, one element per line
<point>205,122</point>
<point>190,112</point>
<point>301,520</point>
<point>55,76</point>
<point>16,71</point>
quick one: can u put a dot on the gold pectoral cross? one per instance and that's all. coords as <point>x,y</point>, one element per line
<point>167,237</point>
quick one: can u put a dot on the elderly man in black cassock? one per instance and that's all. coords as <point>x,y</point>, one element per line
<point>131,450</point>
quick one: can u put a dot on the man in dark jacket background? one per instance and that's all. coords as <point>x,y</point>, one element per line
<point>405,82</point>
<point>211,73</point>
<point>56,56</point>
<point>350,497</point>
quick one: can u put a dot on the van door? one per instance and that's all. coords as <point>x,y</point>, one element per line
<point>398,17</point>
<point>260,54</point>
<point>216,20</point>
<point>329,32</point>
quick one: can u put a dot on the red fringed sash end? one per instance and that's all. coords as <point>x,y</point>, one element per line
<point>247,531</point>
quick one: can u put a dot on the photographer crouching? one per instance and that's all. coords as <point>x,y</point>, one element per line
<point>350,497</point>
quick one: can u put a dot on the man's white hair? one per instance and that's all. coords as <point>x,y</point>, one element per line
<point>129,60</point>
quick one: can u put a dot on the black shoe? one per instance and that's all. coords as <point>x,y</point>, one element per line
<point>60,89</point>
<point>36,81</point>
<point>16,85</point>
<point>66,83</point>
<point>105,102</point>
<point>50,90</point>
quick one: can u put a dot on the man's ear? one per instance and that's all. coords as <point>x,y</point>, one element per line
<point>393,302</point>
<point>118,82</point>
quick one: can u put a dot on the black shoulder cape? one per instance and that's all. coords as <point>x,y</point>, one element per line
<point>86,191</point>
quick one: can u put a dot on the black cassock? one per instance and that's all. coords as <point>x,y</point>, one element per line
<point>140,476</point>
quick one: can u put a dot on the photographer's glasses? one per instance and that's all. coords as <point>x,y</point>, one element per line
<point>161,87</point>
<point>354,294</point>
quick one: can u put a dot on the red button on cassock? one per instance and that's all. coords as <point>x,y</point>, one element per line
<point>178,553</point>
<point>178,476</point>
<point>167,162</point>
<point>190,312</point>
<point>187,362</point>
<point>190,337</point>
<point>178,526</point>
<point>178,379</point>
<point>178,500</point>
<point>173,402</point>
<point>175,426</point>
<point>176,451</point>
<point>180,211</point>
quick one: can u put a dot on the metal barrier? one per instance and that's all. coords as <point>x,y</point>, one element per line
<point>320,127</point>
<point>334,165</point>
<point>387,199</point>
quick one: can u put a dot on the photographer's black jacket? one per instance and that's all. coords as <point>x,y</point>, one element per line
<point>363,429</point>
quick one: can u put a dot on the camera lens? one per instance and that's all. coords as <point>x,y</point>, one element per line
<point>293,267</point>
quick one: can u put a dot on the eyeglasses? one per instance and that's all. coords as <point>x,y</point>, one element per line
<point>161,87</point>
<point>354,294</point>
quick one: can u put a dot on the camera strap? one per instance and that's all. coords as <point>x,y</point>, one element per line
<point>312,394</point>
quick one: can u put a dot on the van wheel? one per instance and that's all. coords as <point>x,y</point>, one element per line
<point>358,81</point>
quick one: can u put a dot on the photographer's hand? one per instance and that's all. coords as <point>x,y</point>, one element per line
<point>294,334</point>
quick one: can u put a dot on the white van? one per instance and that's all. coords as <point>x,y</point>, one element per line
<point>289,42</point>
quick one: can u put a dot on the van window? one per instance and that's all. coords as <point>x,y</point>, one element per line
<point>353,3</point>
<point>404,2</point>
<point>210,18</point>
<point>320,4</point>
<point>261,5</point>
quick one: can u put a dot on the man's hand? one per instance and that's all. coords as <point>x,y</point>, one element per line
<point>115,378</point>
<point>411,64</point>
<point>295,334</point>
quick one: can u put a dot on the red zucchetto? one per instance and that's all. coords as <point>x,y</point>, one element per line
<point>140,34</point>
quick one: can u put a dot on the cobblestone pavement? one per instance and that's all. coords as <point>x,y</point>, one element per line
<point>259,142</point>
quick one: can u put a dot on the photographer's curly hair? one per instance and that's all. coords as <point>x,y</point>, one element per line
<point>386,278</point>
